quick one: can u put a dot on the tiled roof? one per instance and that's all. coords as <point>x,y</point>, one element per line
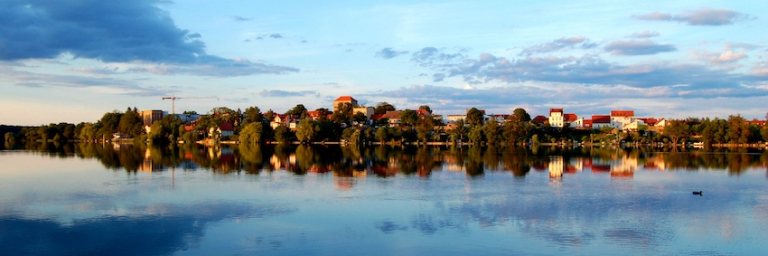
<point>555,110</point>
<point>540,119</point>
<point>570,117</point>
<point>628,113</point>
<point>345,98</point>
<point>226,127</point>
<point>377,116</point>
<point>601,119</point>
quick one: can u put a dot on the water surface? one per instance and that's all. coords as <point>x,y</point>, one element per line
<point>80,199</point>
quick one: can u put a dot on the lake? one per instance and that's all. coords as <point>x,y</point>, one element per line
<point>94,199</point>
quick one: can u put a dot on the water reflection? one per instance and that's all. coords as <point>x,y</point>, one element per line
<point>148,230</point>
<point>303,199</point>
<point>385,161</point>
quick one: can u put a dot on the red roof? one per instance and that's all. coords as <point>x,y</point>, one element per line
<point>757,122</point>
<point>226,127</point>
<point>377,116</point>
<point>345,98</point>
<point>650,121</point>
<point>629,113</point>
<point>601,119</point>
<point>588,122</point>
<point>570,117</point>
<point>540,119</point>
<point>555,110</point>
<point>421,112</point>
<point>314,114</point>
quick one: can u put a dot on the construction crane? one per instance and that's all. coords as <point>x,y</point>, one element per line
<point>174,98</point>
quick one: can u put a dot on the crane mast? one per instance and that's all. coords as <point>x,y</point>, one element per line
<point>174,98</point>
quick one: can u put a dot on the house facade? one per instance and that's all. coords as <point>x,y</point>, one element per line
<point>343,99</point>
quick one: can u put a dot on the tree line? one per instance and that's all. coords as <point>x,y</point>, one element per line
<point>252,126</point>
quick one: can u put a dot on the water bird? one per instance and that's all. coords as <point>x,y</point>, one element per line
<point>697,192</point>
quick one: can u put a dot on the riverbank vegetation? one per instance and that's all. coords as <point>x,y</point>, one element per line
<point>415,127</point>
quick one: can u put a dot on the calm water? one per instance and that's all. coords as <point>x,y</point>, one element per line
<point>128,200</point>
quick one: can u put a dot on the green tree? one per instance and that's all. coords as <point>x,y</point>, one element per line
<point>282,134</point>
<point>252,133</point>
<point>408,117</point>
<point>676,130</point>
<point>299,110</point>
<point>383,107</point>
<point>476,134</point>
<point>253,115</point>
<point>88,132</point>
<point>307,130</point>
<point>382,134</point>
<point>460,131</point>
<point>492,132</point>
<point>738,130</point>
<point>522,115</point>
<point>764,132</point>
<point>343,114</point>
<point>130,123</point>
<point>426,108</point>
<point>359,117</point>
<point>475,117</point>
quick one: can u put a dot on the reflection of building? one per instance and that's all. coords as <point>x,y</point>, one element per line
<point>556,166</point>
<point>149,165</point>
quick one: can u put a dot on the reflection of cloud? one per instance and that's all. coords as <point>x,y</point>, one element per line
<point>387,226</point>
<point>153,230</point>
<point>429,225</point>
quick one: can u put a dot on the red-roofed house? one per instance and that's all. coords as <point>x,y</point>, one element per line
<point>539,120</point>
<point>757,122</point>
<point>224,130</point>
<point>600,121</point>
<point>556,117</point>
<point>620,118</point>
<point>342,100</point>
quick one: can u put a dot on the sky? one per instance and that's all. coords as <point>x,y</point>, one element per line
<point>72,61</point>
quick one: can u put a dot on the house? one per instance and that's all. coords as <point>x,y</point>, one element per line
<point>661,123</point>
<point>455,118</point>
<point>556,117</point>
<point>342,100</point>
<point>620,118</point>
<point>223,130</point>
<point>634,125</point>
<point>393,116</point>
<point>290,121</point>
<point>587,124</point>
<point>600,121</point>
<point>367,111</point>
<point>500,118</point>
<point>573,120</point>
<point>539,120</point>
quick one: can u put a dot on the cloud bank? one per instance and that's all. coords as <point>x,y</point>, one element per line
<point>108,31</point>
<point>698,17</point>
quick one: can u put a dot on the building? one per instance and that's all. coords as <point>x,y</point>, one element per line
<point>342,100</point>
<point>455,118</point>
<point>393,116</point>
<point>600,121</point>
<point>367,111</point>
<point>556,117</point>
<point>620,118</point>
<point>151,116</point>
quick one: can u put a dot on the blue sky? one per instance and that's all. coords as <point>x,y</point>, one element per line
<point>72,61</point>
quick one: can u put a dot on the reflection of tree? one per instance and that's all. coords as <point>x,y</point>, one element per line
<point>251,157</point>
<point>387,161</point>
